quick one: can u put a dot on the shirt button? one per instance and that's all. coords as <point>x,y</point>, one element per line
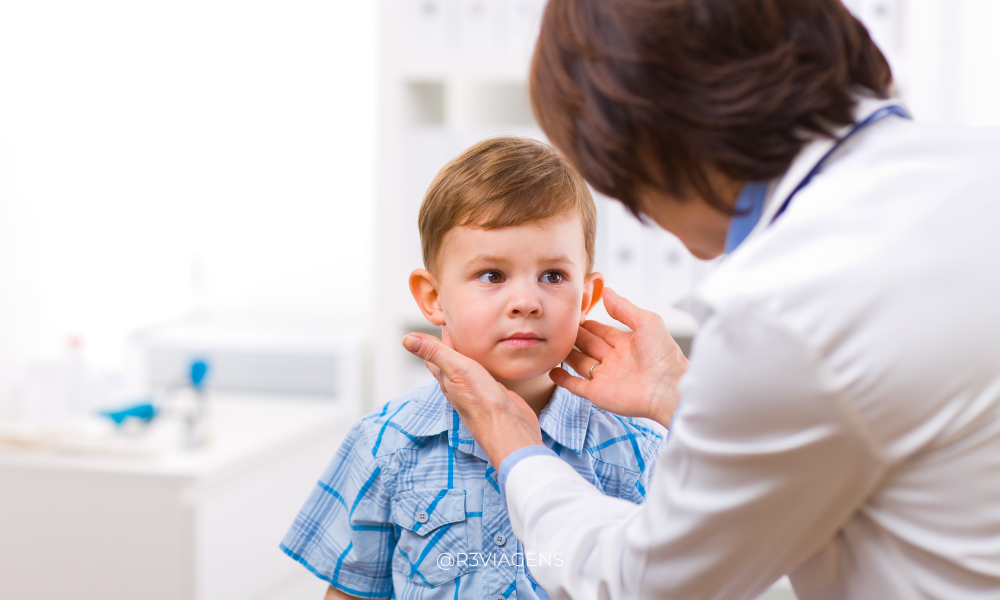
<point>499,540</point>
<point>422,516</point>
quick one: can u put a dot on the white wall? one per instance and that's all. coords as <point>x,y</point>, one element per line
<point>149,146</point>
<point>979,62</point>
<point>945,55</point>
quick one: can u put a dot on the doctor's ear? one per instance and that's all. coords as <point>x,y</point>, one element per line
<point>424,286</point>
<point>593,289</point>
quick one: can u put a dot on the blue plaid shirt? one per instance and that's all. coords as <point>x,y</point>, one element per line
<point>410,507</point>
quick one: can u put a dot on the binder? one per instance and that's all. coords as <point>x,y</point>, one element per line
<point>524,19</point>
<point>478,24</point>
<point>430,25</point>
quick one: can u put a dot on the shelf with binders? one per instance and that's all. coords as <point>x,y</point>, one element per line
<point>498,34</point>
<point>649,266</point>
<point>420,67</point>
<point>484,40</point>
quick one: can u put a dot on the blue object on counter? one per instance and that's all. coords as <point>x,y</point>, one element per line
<point>199,369</point>
<point>145,411</point>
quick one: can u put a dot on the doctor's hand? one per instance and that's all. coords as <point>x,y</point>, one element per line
<point>631,373</point>
<point>500,420</point>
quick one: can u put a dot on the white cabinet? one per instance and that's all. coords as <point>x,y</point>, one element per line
<point>185,525</point>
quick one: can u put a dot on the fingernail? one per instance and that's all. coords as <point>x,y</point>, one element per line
<point>412,343</point>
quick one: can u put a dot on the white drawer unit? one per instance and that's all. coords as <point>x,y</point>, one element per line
<point>173,525</point>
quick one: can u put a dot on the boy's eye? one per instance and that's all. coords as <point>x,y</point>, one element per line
<point>552,277</point>
<point>491,277</point>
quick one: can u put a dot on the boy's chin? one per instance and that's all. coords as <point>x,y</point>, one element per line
<point>519,373</point>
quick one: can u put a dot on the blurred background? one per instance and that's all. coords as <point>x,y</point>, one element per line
<point>207,217</point>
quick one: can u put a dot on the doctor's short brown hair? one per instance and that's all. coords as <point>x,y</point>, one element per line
<point>662,93</point>
<point>504,182</point>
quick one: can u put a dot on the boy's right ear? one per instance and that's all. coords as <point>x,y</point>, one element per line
<point>424,288</point>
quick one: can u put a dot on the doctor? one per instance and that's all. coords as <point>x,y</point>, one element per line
<point>840,417</point>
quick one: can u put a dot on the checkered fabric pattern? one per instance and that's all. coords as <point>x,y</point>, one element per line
<point>410,507</point>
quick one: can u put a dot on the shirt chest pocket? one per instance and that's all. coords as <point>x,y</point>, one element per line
<point>433,542</point>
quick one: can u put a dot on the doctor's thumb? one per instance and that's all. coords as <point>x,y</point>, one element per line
<point>428,348</point>
<point>412,343</point>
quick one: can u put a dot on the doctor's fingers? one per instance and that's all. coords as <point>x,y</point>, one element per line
<point>434,369</point>
<point>591,344</point>
<point>622,310</point>
<point>613,336</point>
<point>575,385</point>
<point>582,363</point>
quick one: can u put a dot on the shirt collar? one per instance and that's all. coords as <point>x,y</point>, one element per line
<point>749,206</point>
<point>437,410</point>
<point>565,419</point>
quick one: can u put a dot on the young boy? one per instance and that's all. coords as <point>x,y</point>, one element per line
<point>410,507</point>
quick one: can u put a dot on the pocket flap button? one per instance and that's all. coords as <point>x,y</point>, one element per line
<point>422,516</point>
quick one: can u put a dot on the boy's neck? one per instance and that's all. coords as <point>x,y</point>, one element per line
<point>536,392</point>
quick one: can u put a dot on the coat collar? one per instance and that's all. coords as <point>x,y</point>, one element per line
<point>810,155</point>
<point>774,193</point>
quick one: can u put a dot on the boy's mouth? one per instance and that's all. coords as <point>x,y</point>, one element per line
<point>522,340</point>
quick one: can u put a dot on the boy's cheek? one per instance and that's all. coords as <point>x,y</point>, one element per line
<point>562,346</point>
<point>468,336</point>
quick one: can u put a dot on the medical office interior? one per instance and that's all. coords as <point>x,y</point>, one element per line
<point>207,219</point>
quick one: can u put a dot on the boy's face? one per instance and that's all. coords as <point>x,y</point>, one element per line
<point>512,298</point>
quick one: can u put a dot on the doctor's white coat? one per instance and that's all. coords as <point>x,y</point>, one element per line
<point>841,416</point>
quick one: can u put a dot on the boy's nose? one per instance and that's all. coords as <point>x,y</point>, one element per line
<point>524,301</point>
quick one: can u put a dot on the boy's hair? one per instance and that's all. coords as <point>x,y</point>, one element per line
<point>503,182</point>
